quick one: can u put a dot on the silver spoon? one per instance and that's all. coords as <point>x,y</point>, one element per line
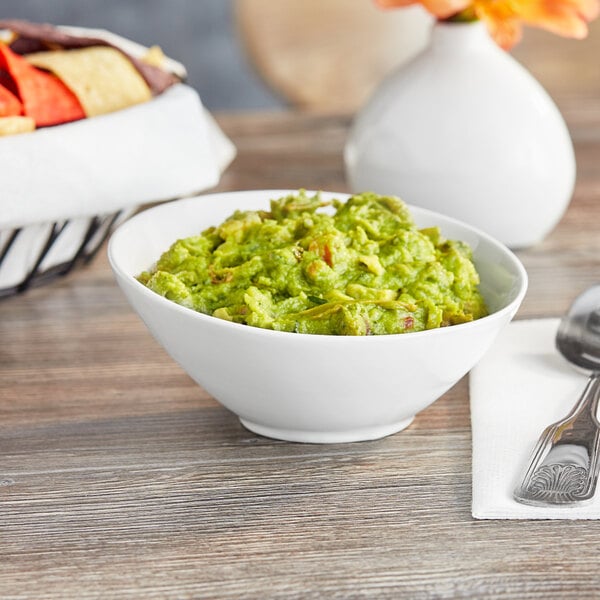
<point>563,468</point>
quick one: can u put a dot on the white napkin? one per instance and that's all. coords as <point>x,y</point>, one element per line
<point>162,149</point>
<point>521,385</point>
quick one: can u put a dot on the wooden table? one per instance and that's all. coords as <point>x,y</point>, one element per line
<point>120,478</point>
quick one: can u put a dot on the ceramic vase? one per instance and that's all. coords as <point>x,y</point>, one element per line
<point>465,130</point>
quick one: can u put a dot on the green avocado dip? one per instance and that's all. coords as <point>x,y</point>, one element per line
<point>364,270</point>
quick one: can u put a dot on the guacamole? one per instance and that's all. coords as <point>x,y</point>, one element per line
<point>364,269</point>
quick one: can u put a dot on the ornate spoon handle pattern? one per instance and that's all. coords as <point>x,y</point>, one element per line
<point>564,466</point>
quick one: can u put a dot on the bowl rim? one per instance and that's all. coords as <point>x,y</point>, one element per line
<point>522,279</point>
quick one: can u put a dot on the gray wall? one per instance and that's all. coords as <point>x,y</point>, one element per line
<point>198,33</point>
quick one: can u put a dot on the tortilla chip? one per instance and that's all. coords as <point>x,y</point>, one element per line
<point>13,125</point>
<point>102,78</point>
<point>10,105</point>
<point>155,57</point>
<point>38,37</point>
<point>157,78</point>
<point>44,97</point>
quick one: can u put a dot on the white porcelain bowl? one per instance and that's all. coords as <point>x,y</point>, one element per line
<point>301,387</point>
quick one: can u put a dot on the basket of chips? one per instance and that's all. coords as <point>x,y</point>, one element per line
<point>92,127</point>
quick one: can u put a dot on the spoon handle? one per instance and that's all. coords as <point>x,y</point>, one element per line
<point>563,468</point>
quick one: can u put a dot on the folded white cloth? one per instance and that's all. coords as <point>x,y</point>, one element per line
<point>161,149</point>
<point>522,385</point>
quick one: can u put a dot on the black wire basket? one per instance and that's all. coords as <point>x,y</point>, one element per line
<point>37,254</point>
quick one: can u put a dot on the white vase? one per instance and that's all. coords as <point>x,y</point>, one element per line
<point>465,130</point>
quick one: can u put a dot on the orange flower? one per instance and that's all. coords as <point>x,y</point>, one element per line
<point>505,18</point>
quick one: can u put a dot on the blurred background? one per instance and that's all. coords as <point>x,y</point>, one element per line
<point>310,54</point>
<point>198,33</point>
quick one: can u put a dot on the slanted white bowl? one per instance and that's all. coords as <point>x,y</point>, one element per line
<point>301,387</point>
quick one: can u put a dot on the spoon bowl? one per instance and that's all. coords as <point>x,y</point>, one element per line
<point>578,336</point>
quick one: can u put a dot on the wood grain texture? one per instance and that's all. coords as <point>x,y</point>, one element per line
<point>121,478</point>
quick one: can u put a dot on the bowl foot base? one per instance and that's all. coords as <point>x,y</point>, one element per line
<point>327,437</point>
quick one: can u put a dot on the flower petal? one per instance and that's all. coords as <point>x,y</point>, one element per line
<point>445,8</point>
<point>442,9</point>
<point>590,9</point>
<point>506,32</point>
<point>567,17</point>
<point>501,20</point>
